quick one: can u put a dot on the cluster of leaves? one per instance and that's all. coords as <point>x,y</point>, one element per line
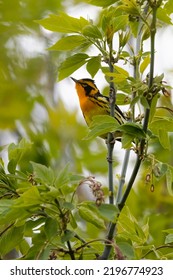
<point>40,211</point>
<point>41,217</point>
<point>81,33</point>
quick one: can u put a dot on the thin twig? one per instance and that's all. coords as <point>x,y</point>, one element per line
<point>110,138</point>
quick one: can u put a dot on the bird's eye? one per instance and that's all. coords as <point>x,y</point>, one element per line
<point>84,85</point>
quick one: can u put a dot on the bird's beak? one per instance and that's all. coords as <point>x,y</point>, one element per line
<point>74,80</point>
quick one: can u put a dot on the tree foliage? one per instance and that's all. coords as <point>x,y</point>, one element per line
<point>44,210</point>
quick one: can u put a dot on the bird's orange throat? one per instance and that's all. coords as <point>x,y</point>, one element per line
<point>87,106</point>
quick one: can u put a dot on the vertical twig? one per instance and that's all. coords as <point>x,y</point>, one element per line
<point>112,227</point>
<point>147,111</point>
<point>110,138</point>
<point>136,76</point>
<point>123,175</point>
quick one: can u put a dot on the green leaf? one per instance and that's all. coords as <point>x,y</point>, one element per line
<point>133,129</point>
<point>144,102</point>
<point>127,250</point>
<point>130,6</point>
<point>63,23</point>
<point>50,228</point>
<point>162,123</point>
<point>92,31</point>
<point>69,43</point>
<point>89,212</point>
<point>68,234</point>
<point>101,3</point>
<point>10,239</point>
<point>144,64</point>
<point>169,239</point>
<point>29,198</point>
<point>164,139</point>
<point>119,22</point>
<point>73,222</point>
<point>161,127</point>
<point>129,228</point>
<point>43,173</point>
<point>153,107</point>
<point>109,212</point>
<point>119,75</point>
<point>121,71</point>
<point>127,141</point>
<point>163,16</point>
<point>101,125</point>
<point>169,7</point>
<point>134,27</point>
<point>63,177</point>
<point>24,247</point>
<point>93,65</point>
<point>30,225</point>
<point>16,152</point>
<point>71,64</point>
<point>122,99</point>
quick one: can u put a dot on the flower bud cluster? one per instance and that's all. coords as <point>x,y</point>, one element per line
<point>95,186</point>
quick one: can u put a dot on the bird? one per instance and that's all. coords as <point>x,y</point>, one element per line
<point>93,103</point>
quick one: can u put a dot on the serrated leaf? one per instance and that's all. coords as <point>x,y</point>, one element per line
<point>63,23</point>
<point>68,43</point>
<point>93,65</point>
<point>71,64</point>
<point>43,173</point>
<point>90,213</point>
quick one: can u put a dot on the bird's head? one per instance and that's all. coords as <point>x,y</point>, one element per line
<point>85,87</point>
